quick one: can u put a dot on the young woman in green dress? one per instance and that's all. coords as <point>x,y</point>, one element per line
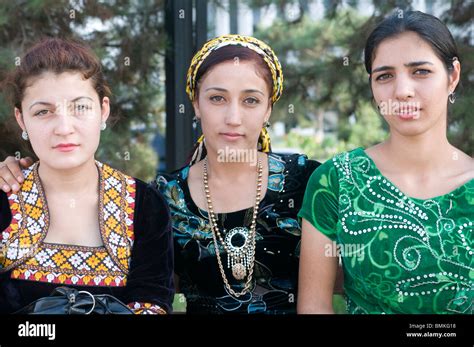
<point>401,212</point>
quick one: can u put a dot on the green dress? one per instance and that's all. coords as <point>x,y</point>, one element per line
<point>399,254</point>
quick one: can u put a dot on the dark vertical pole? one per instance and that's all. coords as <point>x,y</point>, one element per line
<point>201,38</point>
<point>233,14</point>
<point>179,133</point>
<point>201,23</point>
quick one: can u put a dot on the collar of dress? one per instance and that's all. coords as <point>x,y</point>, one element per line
<point>30,218</point>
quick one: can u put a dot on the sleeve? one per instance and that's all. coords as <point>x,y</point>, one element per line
<point>320,204</point>
<point>311,165</point>
<point>5,220</point>
<point>150,286</point>
<point>182,221</point>
<point>5,213</point>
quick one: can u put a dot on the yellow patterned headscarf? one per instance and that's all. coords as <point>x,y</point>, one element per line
<point>262,49</point>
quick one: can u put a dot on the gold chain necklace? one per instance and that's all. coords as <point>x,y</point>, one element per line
<point>240,258</point>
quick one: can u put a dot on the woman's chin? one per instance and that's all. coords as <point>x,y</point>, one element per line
<point>64,163</point>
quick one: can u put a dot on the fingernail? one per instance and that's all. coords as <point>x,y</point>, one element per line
<point>6,188</point>
<point>15,187</point>
<point>20,179</point>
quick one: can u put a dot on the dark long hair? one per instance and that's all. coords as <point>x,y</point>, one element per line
<point>428,27</point>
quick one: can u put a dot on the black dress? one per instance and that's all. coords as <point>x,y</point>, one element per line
<point>135,263</point>
<point>278,232</point>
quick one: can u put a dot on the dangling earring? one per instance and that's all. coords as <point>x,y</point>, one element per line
<point>374,103</point>
<point>24,135</point>
<point>452,98</point>
<point>103,126</point>
<point>199,151</point>
<point>195,122</point>
<point>266,124</point>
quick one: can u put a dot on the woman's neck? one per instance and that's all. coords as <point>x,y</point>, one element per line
<point>228,170</point>
<point>74,181</point>
<point>422,154</point>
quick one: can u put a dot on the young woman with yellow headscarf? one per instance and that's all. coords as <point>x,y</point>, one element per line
<point>234,207</point>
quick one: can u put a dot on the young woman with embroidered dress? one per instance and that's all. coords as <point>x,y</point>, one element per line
<point>74,221</point>
<point>402,211</point>
<point>234,206</point>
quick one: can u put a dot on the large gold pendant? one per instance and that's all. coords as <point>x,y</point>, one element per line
<point>238,271</point>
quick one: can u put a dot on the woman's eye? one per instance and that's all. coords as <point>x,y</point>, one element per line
<point>216,98</point>
<point>82,107</point>
<point>383,77</point>
<point>41,113</point>
<point>422,72</point>
<point>252,101</point>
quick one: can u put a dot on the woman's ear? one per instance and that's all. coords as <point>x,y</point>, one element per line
<point>19,119</point>
<point>267,116</point>
<point>105,109</point>
<point>455,75</point>
<point>197,112</point>
<point>268,113</point>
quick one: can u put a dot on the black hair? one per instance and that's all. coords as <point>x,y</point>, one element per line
<point>428,27</point>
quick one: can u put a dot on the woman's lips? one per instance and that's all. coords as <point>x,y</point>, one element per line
<point>232,136</point>
<point>66,147</point>
<point>408,114</point>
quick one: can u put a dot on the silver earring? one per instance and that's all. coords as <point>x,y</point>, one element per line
<point>266,124</point>
<point>103,126</point>
<point>24,135</point>
<point>195,122</point>
<point>452,98</point>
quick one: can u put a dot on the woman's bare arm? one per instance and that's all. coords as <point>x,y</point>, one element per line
<point>317,274</point>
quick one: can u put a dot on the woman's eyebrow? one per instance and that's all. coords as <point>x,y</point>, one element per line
<point>418,63</point>
<point>40,103</point>
<point>216,88</point>
<point>81,97</point>
<point>50,104</point>
<point>382,68</point>
<point>411,64</point>
<point>253,91</point>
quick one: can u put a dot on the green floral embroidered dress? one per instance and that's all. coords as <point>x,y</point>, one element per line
<point>400,254</point>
